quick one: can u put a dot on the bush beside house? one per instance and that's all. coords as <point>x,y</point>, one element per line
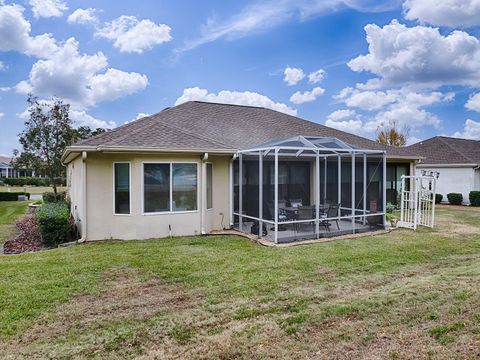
<point>474,198</point>
<point>54,223</point>
<point>455,198</point>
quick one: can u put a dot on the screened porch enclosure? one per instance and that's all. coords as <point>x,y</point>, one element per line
<point>308,187</point>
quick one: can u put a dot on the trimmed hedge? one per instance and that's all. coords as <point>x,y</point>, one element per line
<point>25,181</point>
<point>438,198</point>
<point>455,198</point>
<point>53,222</point>
<point>50,197</point>
<point>474,197</point>
<point>32,181</point>
<point>12,196</point>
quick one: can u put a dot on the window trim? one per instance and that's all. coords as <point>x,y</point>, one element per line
<point>129,187</point>
<point>169,212</point>
<point>206,186</point>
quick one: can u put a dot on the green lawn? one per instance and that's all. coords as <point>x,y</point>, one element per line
<point>30,189</point>
<point>9,212</point>
<point>400,295</point>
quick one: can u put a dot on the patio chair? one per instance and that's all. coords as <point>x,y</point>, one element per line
<point>295,202</point>
<point>331,212</point>
<point>306,213</point>
<point>282,215</point>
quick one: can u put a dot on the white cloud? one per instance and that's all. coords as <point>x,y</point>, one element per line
<point>83,16</point>
<point>473,102</point>
<point>81,118</point>
<point>80,78</point>
<point>452,13</point>
<point>3,66</point>
<point>15,34</point>
<point>131,35</point>
<point>345,120</point>
<point>293,75</point>
<point>316,76</point>
<point>264,15</point>
<point>234,97</point>
<point>471,130</point>
<point>1,115</point>
<point>419,55</point>
<point>306,96</point>
<point>404,115</point>
<point>341,114</point>
<point>48,8</point>
<point>365,100</point>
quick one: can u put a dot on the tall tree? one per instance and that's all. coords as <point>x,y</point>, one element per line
<point>47,133</point>
<point>392,134</point>
<point>84,132</point>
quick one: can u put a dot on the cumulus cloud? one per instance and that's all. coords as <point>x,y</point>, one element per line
<point>345,120</point>
<point>48,8</point>
<point>293,75</point>
<point>3,66</point>
<point>81,118</point>
<point>306,96</point>
<point>316,76</point>
<point>262,15</point>
<point>471,130</point>
<point>131,35</point>
<point>15,34</point>
<point>473,102</point>
<point>83,16</point>
<point>1,115</point>
<point>452,13</point>
<point>234,97</point>
<point>419,55</point>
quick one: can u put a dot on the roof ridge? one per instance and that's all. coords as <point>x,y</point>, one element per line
<point>224,104</point>
<point>441,138</point>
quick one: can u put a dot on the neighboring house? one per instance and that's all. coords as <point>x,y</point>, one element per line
<point>457,161</point>
<point>172,173</point>
<point>8,171</point>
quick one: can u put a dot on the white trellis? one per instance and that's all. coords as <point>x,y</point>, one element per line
<point>418,200</point>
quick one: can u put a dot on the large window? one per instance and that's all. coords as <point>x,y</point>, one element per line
<point>121,176</point>
<point>209,186</point>
<point>169,187</point>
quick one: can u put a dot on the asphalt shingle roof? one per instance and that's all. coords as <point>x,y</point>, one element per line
<point>448,150</point>
<point>202,125</point>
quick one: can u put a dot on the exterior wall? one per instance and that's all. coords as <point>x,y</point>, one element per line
<point>102,223</point>
<point>75,190</point>
<point>453,179</point>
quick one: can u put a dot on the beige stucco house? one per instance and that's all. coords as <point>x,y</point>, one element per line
<point>173,173</point>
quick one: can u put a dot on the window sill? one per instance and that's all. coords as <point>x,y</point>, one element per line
<point>170,213</point>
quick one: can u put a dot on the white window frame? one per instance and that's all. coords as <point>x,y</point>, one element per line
<point>169,212</point>
<point>129,187</point>
<point>206,187</point>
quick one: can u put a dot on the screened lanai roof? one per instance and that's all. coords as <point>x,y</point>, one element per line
<point>309,144</point>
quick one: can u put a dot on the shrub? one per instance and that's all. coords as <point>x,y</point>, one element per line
<point>12,196</point>
<point>455,198</point>
<point>53,221</point>
<point>438,198</point>
<point>474,198</point>
<point>50,197</point>
<point>391,208</point>
<point>26,181</point>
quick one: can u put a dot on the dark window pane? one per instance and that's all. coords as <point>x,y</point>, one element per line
<point>184,182</point>
<point>122,188</point>
<point>209,186</point>
<point>156,187</point>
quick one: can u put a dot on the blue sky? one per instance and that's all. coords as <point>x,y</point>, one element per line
<point>354,65</point>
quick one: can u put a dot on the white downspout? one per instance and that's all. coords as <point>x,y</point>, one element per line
<point>84,198</point>
<point>203,213</point>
